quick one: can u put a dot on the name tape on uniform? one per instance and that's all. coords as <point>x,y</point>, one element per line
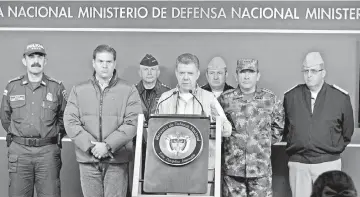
<point>17,98</point>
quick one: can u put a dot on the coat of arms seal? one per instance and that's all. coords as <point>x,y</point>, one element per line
<point>178,143</point>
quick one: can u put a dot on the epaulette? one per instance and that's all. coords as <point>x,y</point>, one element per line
<point>52,79</point>
<point>291,89</point>
<point>340,89</point>
<point>165,86</point>
<point>16,78</point>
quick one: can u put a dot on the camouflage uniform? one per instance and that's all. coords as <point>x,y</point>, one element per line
<point>258,124</point>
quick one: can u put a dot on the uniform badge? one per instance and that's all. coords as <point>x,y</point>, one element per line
<point>49,97</point>
<point>5,92</point>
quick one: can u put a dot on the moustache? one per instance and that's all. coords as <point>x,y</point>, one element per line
<point>35,65</point>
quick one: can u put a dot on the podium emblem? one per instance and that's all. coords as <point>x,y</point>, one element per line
<point>178,143</point>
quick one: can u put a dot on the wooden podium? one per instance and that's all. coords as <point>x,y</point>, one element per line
<point>177,154</point>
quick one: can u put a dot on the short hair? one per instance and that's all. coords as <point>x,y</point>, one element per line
<point>336,181</point>
<point>104,48</point>
<point>188,58</point>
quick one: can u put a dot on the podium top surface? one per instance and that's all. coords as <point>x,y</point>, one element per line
<point>179,116</point>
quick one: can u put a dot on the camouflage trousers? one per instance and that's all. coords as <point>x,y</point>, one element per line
<point>247,187</point>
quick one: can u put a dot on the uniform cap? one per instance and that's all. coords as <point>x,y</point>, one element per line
<point>149,60</point>
<point>34,48</point>
<point>217,63</point>
<point>247,64</point>
<point>313,59</point>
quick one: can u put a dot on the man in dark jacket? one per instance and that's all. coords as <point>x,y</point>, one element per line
<point>150,88</point>
<point>216,74</point>
<point>319,124</point>
<point>101,119</point>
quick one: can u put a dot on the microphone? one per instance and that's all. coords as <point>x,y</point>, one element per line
<point>202,108</point>
<point>157,108</point>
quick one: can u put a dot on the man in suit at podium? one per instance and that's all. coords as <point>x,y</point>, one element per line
<point>319,126</point>
<point>189,98</point>
<point>257,116</point>
<point>216,74</point>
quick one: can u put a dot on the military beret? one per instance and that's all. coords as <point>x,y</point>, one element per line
<point>149,60</point>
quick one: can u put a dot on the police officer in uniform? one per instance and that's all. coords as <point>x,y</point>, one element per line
<point>319,125</point>
<point>150,88</point>
<point>216,74</point>
<point>257,116</point>
<point>32,115</point>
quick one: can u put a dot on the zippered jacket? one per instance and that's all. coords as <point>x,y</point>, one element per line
<point>321,135</point>
<point>104,116</point>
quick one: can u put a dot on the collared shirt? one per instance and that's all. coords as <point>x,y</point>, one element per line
<point>33,111</point>
<point>104,83</point>
<point>216,93</point>
<point>258,123</point>
<point>185,104</point>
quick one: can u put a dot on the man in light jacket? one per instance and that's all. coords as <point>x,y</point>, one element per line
<point>180,100</point>
<point>101,119</point>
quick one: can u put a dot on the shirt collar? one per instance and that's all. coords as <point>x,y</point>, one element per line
<point>142,88</point>
<point>197,87</point>
<point>25,80</point>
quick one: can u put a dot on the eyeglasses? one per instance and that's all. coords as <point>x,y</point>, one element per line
<point>312,71</point>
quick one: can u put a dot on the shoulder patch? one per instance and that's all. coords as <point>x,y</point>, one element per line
<point>16,78</point>
<point>52,79</point>
<point>5,92</point>
<point>291,89</point>
<point>340,89</point>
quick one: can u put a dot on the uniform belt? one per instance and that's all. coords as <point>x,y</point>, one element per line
<point>37,142</point>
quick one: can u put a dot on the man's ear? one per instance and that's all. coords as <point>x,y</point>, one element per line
<point>198,75</point>
<point>45,61</point>
<point>23,61</point>
<point>258,77</point>
<point>93,63</point>
<point>158,73</point>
